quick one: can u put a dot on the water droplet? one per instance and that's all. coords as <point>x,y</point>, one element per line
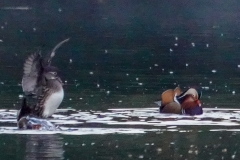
<point>159,149</point>
<point>205,87</point>
<point>141,157</point>
<point>196,152</point>
<point>91,73</point>
<point>70,60</point>
<point>190,151</point>
<point>233,92</point>
<point>193,44</point>
<point>214,71</point>
<point>176,38</point>
<point>155,65</point>
<point>171,72</point>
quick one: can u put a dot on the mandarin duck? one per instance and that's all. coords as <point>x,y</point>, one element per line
<point>175,101</point>
<point>41,81</point>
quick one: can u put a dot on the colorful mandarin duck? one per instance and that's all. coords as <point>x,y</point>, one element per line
<point>175,101</point>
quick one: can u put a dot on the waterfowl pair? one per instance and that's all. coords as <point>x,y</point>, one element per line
<point>178,102</point>
<point>41,83</point>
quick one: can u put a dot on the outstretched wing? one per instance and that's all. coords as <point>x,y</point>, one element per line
<point>31,71</point>
<point>47,60</point>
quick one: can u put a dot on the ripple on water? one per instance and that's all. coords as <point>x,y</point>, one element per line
<point>127,121</point>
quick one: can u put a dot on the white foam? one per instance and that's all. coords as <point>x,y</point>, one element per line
<point>141,118</point>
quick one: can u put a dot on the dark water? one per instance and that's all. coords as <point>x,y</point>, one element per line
<point>137,133</point>
<point>124,54</point>
<point>147,146</point>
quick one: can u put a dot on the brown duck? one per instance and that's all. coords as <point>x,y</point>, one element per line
<point>178,102</point>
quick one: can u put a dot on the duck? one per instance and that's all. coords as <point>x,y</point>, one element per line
<point>41,82</point>
<point>178,102</point>
<point>26,120</point>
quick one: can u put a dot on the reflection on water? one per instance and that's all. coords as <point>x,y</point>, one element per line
<point>152,145</point>
<point>161,145</point>
<point>31,147</point>
<point>43,146</point>
<point>120,133</point>
<point>128,121</point>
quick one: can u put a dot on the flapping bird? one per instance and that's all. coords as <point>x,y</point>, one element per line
<point>41,81</point>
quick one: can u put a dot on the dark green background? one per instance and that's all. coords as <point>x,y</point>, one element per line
<point>116,38</point>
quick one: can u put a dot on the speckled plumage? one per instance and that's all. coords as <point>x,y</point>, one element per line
<point>41,81</point>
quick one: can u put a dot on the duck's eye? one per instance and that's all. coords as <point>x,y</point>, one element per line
<point>54,73</point>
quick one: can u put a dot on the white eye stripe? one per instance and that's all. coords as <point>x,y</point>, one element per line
<point>54,73</point>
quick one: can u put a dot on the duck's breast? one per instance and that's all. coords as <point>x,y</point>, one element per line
<point>52,103</point>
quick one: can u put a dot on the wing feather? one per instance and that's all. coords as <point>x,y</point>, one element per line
<point>49,57</point>
<point>31,71</point>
